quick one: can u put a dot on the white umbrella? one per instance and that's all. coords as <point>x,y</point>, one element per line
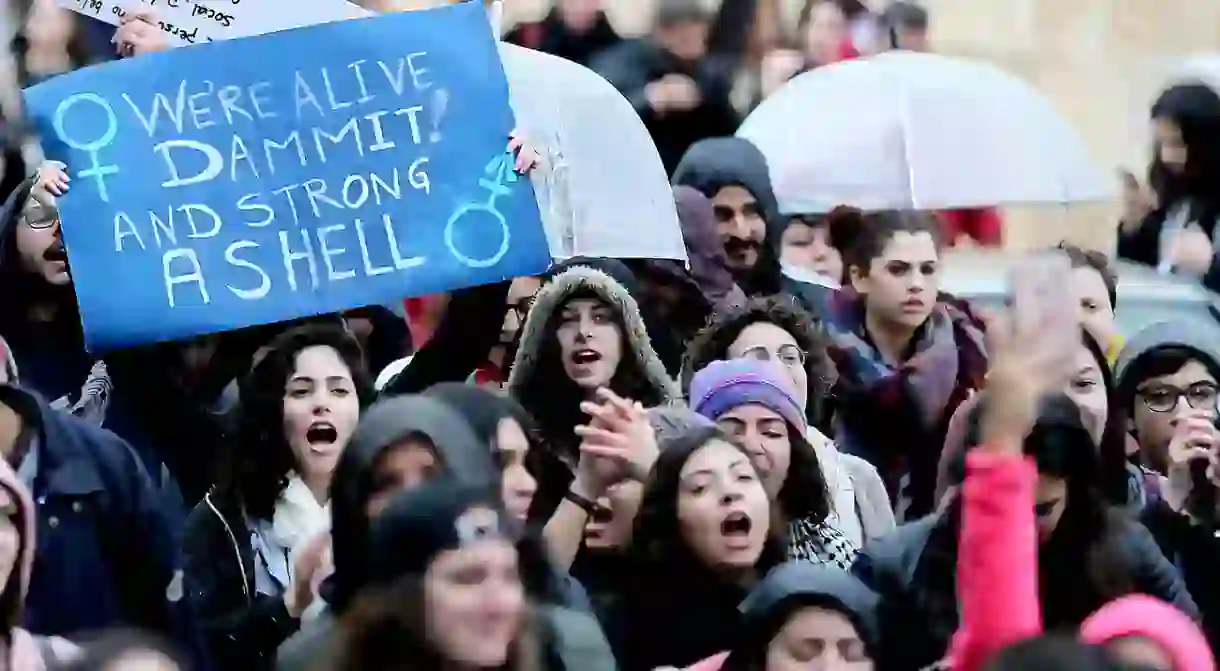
<point>1204,68</point>
<point>909,130</point>
<point>602,189</point>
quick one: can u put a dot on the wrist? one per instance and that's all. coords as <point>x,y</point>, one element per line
<point>290,604</point>
<point>584,488</point>
<point>587,504</point>
<point>1177,489</point>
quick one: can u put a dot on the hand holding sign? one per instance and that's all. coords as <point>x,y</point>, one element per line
<point>263,179</point>
<point>53,178</point>
<point>139,33</point>
<point>527,157</point>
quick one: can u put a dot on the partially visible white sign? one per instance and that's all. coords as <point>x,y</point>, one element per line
<point>189,22</point>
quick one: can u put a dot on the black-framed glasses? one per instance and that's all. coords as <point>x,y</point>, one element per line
<point>789,355</point>
<point>521,307</point>
<point>1164,398</point>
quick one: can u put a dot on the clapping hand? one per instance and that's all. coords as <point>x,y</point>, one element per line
<point>310,565</point>
<point>619,433</point>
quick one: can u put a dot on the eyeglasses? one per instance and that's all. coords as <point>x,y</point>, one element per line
<point>789,355</point>
<point>1200,396</point>
<point>40,217</point>
<point>522,307</point>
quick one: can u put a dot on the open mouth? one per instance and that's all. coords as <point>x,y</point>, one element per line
<point>56,253</point>
<point>322,434</point>
<point>736,525</point>
<point>585,357</point>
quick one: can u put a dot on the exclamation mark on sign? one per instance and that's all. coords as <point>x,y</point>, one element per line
<point>440,105</point>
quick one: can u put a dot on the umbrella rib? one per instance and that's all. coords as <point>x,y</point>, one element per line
<point>904,129</point>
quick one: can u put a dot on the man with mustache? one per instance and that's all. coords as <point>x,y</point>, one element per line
<point>733,174</point>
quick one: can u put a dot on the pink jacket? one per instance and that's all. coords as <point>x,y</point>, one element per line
<point>25,651</point>
<point>997,559</point>
<point>1146,617</point>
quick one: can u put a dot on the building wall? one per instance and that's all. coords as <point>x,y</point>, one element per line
<point>1099,61</point>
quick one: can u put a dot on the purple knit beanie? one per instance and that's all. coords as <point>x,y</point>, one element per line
<point>724,385</point>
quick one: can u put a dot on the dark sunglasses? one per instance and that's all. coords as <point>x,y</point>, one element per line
<point>1045,508</point>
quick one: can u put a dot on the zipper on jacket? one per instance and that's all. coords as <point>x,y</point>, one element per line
<point>245,583</point>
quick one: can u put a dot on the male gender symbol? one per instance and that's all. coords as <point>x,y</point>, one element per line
<point>498,174</point>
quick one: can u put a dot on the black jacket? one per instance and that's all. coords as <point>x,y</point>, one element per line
<point>461,343</point>
<point>918,609</point>
<point>1143,244</point>
<point>106,554</point>
<point>1194,549</point>
<point>552,36</point>
<point>633,65</point>
<point>242,628</point>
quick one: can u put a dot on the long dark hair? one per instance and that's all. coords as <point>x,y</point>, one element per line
<point>561,413</point>
<point>1195,109</point>
<point>257,470</point>
<point>804,494</point>
<point>657,545</point>
<point>1112,452</point>
<point>1080,567</point>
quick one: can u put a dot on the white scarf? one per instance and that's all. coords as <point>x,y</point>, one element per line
<point>298,516</point>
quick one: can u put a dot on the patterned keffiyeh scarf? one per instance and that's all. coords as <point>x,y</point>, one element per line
<point>820,543</point>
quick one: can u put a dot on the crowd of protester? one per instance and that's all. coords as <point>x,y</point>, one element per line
<point>633,464</point>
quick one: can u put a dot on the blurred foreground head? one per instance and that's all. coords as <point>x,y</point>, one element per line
<point>446,587</point>
<point>127,651</point>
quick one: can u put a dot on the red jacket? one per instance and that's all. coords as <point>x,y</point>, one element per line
<point>982,224</point>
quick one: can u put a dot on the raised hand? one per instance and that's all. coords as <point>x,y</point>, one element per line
<point>1034,347</point>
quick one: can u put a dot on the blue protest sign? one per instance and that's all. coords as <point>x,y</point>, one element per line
<point>308,171</point>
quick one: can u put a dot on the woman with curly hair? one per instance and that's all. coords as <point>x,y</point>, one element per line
<point>777,329</point>
<point>254,547</point>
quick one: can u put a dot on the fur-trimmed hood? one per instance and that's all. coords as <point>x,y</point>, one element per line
<point>541,321</point>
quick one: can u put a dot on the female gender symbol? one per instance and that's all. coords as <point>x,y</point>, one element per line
<point>498,170</point>
<point>96,170</point>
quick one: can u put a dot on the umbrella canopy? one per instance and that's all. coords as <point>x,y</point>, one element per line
<point>1204,68</point>
<point>602,188</point>
<point>906,130</point>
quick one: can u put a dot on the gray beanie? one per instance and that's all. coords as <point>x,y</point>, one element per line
<point>669,423</point>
